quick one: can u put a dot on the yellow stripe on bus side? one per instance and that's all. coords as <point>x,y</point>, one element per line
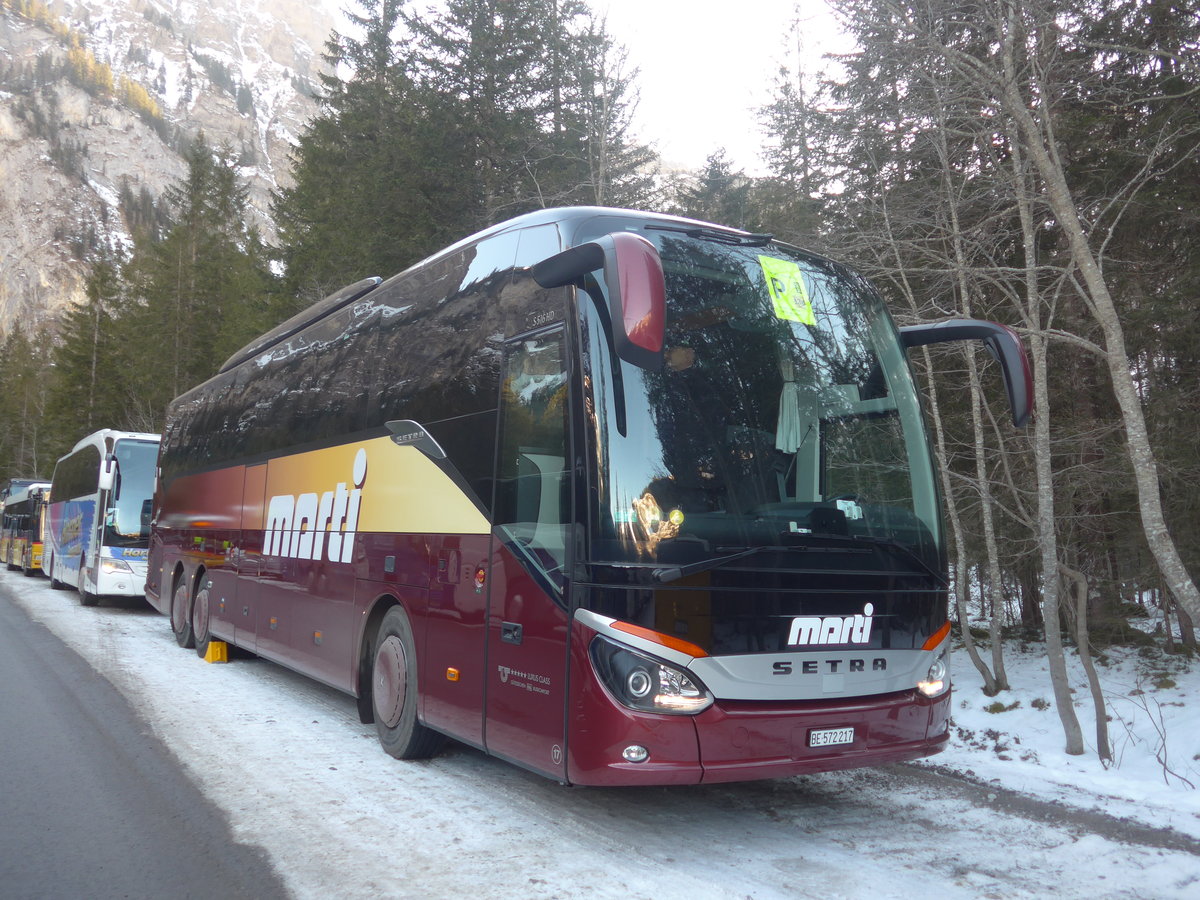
<point>402,489</point>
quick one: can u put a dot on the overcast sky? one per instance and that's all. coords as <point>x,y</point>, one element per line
<point>707,68</point>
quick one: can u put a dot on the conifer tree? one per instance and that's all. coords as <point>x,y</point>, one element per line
<point>719,193</point>
<point>88,387</point>
<point>375,174</point>
<point>197,294</point>
<point>453,119</point>
<point>25,448</point>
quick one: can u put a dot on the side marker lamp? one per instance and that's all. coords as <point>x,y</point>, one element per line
<point>646,684</point>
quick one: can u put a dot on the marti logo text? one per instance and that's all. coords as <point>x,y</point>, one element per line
<point>810,631</point>
<point>308,526</point>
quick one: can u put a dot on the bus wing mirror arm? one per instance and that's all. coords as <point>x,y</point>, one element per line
<point>107,475</point>
<point>636,288</point>
<point>1001,342</point>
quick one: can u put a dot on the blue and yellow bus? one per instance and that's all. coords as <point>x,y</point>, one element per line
<point>99,519</point>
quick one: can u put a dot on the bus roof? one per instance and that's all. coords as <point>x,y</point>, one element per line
<point>562,216</point>
<point>24,492</point>
<point>15,484</point>
<point>98,438</point>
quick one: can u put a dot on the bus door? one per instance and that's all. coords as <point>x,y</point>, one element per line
<point>527,618</point>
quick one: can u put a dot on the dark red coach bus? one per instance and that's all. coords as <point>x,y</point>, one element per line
<point>621,498</point>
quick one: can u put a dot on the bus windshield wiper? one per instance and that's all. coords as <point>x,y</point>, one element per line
<point>906,552</point>
<point>664,574</point>
<point>713,234</point>
<point>896,548</point>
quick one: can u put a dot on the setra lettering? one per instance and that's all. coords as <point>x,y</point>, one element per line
<point>828,666</point>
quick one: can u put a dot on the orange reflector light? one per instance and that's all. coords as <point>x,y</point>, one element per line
<point>665,639</point>
<point>937,637</point>
<point>452,674</point>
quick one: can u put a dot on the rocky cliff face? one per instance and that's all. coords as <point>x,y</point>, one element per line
<point>98,98</point>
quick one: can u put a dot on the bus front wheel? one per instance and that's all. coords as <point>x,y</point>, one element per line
<point>85,599</point>
<point>181,616</point>
<point>394,691</point>
<point>55,584</point>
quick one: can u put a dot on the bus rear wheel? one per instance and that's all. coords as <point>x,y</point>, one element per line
<point>181,616</point>
<point>201,618</point>
<point>394,691</point>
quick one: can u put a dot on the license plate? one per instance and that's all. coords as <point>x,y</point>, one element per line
<point>826,737</point>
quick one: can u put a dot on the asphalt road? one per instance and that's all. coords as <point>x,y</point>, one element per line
<point>91,803</point>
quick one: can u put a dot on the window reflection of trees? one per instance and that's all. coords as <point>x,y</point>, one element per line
<point>716,407</point>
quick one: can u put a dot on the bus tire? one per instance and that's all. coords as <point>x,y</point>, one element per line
<point>181,615</point>
<point>394,691</point>
<point>85,599</point>
<point>201,622</point>
<point>55,584</point>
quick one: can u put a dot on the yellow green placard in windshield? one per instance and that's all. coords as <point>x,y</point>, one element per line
<point>788,293</point>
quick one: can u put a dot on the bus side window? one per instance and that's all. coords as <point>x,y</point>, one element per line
<point>533,494</point>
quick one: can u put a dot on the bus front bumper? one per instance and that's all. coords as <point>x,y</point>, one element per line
<point>748,740</point>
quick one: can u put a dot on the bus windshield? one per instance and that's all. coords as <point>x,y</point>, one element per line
<point>785,415</point>
<point>125,522</point>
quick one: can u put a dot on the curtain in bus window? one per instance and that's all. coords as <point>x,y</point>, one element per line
<point>533,493</point>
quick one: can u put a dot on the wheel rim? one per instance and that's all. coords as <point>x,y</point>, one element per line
<point>179,612</point>
<point>390,681</point>
<point>200,617</point>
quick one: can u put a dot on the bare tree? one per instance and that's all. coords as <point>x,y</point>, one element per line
<point>1016,78</point>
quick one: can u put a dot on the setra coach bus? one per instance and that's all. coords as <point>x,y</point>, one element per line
<point>99,517</point>
<point>622,498</point>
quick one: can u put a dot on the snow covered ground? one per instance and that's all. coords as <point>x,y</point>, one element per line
<point>1153,704</point>
<point>299,776</point>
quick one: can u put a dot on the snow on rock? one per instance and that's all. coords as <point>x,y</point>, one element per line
<point>266,45</point>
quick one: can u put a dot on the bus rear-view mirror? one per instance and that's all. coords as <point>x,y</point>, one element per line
<point>1001,342</point>
<point>634,282</point>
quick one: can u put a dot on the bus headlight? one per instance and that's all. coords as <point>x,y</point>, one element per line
<point>937,679</point>
<point>113,566</point>
<point>647,684</point>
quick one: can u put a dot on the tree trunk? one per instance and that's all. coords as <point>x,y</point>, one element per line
<point>1043,152</point>
<point>1079,587</point>
<point>1049,547</point>
<point>994,579</point>
<point>1047,536</point>
<point>1187,632</point>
